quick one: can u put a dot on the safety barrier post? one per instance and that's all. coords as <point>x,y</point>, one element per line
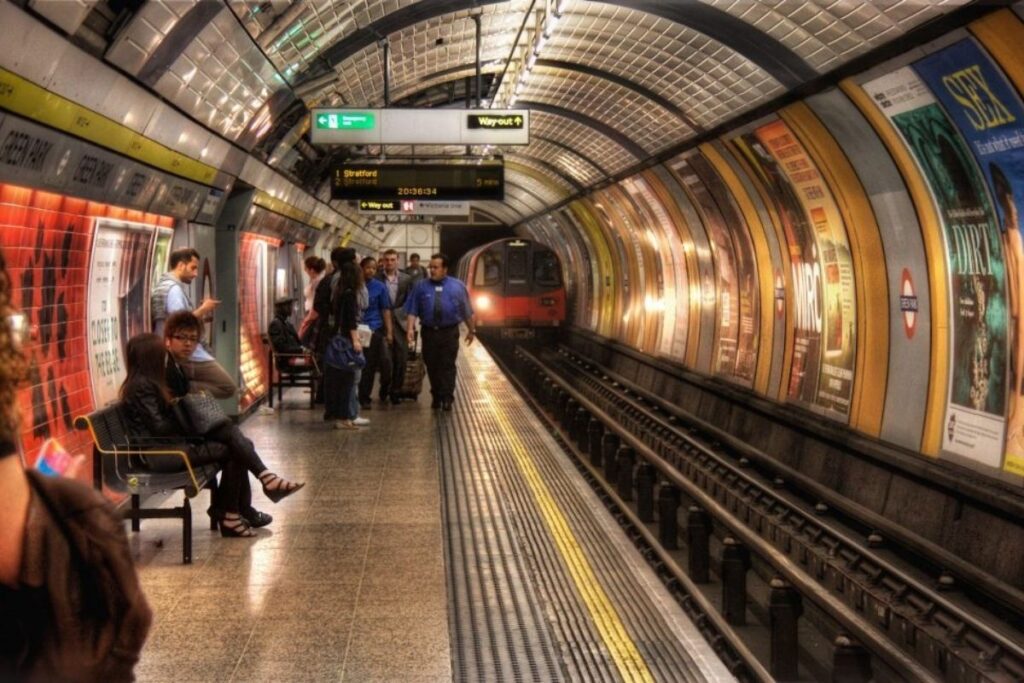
<point>646,476</point>
<point>626,458</point>
<point>851,661</point>
<point>568,414</point>
<point>698,541</point>
<point>735,563</point>
<point>668,520</point>
<point>609,446</point>
<point>580,432</point>
<point>784,610</point>
<point>595,431</point>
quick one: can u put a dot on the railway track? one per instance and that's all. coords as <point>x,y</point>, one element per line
<point>880,593</point>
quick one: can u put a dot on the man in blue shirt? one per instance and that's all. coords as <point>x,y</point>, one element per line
<point>440,303</point>
<point>376,316</point>
<point>169,296</point>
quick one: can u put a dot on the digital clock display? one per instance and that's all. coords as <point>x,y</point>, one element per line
<point>418,181</point>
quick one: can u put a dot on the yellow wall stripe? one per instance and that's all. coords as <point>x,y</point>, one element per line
<point>1002,34</point>
<point>33,102</point>
<point>870,276</point>
<point>938,278</point>
<point>765,269</point>
<point>624,652</point>
<point>278,206</point>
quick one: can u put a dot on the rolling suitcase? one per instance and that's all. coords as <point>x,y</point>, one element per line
<point>415,371</point>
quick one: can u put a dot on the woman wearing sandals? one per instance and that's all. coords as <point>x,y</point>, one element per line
<point>147,395</point>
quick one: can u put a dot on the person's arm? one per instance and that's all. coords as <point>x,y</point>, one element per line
<point>411,313</point>
<point>389,327</point>
<point>471,324</point>
<point>470,319</point>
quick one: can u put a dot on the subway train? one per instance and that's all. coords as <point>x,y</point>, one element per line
<point>514,283</point>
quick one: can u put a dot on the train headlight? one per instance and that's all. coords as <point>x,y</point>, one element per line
<point>483,302</point>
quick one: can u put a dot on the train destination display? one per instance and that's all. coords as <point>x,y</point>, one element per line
<point>418,181</point>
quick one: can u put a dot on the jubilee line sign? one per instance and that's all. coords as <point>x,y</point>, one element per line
<point>397,126</point>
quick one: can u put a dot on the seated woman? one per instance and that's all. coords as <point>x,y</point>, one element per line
<point>147,408</point>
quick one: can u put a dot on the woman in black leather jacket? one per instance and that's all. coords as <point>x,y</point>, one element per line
<point>148,412</point>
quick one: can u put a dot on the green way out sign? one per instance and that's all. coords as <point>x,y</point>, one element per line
<point>346,120</point>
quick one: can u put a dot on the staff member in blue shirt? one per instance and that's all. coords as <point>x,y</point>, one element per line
<point>377,316</point>
<point>440,303</point>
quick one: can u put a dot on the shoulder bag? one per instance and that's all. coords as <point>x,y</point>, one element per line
<point>202,413</point>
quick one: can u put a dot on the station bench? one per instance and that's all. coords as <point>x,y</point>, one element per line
<point>118,465</point>
<point>292,370</point>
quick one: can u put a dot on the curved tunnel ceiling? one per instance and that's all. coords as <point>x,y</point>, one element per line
<point>610,82</point>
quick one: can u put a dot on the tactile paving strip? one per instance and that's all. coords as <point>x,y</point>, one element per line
<point>520,606</point>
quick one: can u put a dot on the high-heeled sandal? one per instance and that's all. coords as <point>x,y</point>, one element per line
<point>281,490</point>
<point>235,527</point>
<point>256,519</point>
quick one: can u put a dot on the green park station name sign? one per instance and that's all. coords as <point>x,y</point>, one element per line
<point>490,122</point>
<point>348,120</point>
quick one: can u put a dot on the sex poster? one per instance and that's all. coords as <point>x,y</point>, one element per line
<point>976,400</point>
<point>118,291</point>
<point>824,350</point>
<point>989,114</point>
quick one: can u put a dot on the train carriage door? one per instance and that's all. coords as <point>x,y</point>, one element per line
<point>548,298</point>
<point>517,284</point>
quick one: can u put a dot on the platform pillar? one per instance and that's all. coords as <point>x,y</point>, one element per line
<point>851,662</point>
<point>735,563</point>
<point>698,539</point>
<point>595,432</point>
<point>784,610</point>
<point>646,476</point>
<point>625,461</point>
<point>668,520</point>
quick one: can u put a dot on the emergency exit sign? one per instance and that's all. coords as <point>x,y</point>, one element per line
<point>347,120</point>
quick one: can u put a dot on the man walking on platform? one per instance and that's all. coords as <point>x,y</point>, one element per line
<point>376,316</point>
<point>169,296</point>
<point>441,303</point>
<point>398,284</point>
<point>415,270</point>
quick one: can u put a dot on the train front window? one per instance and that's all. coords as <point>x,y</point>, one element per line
<point>545,269</point>
<point>517,265</point>
<point>488,269</point>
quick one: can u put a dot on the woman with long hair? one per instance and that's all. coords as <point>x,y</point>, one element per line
<point>340,383</point>
<point>147,409</point>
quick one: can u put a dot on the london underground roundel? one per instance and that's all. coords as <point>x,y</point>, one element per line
<point>908,304</point>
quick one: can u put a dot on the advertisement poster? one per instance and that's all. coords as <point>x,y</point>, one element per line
<point>837,322</point>
<point>745,264</point>
<point>256,287</point>
<point>976,402</point>
<point>45,239</point>
<point>118,292</point>
<point>677,302</point>
<point>990,116</point>
<point>723,253</point>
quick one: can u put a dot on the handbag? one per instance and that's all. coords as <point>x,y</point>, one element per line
<point>202,413</point>
<point>341,355</point>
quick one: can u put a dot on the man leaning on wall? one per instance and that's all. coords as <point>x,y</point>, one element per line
<point>169,296</point>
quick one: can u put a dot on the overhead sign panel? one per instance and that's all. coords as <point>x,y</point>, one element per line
<point>418,181</point>
<point>395,126</point>
<point>413,207</point>
<point>345,120</point>
<point>495,121</point>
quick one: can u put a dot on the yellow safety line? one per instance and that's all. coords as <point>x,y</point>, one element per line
<point>630,663</point>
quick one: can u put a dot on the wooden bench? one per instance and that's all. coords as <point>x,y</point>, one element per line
<point>117,464</point>
<point>292,370</point>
